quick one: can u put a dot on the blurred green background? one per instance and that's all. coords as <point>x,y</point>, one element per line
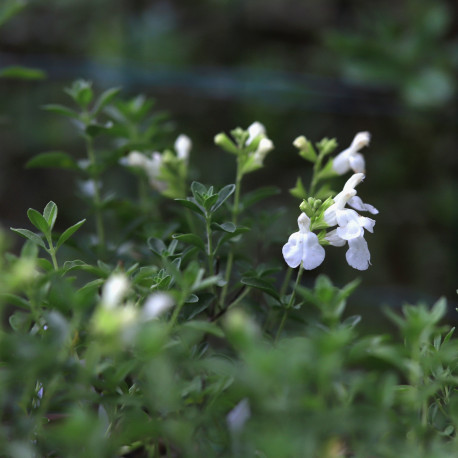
<point>313,67</point>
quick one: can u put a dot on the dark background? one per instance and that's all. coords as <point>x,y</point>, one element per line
<point>317,67</point>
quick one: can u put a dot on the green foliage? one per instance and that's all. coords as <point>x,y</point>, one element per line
<point>161,331</point>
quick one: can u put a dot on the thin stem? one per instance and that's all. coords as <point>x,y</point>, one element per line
<point>97,199</point>
<point>211,269</point>
<point>290,303</point>
<point>235,212</point>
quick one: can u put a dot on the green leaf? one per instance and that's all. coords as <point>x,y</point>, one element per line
<point>15,300</point>
<point>20,321</point>
<point>262,284</point>
<point>225,227</point>
<point>105,98</point>
<point>191,239</point>
<point>198,190</point>
<point>23,73</point>
<point>259,194</point>
<point>223,195</point>
<point>38,220</point>
<point>327,171</point>
<point>50,214</point>
<point>30,235</point>
<point>10,9</point>
<point>54,159</point>
<point>95,129</point>
<point>69,232</point>
<point>299,190</point>
<point>205,327</point>
<point>77,264</point>
<point>191,205</point>
<point>61,109</point>
<point>45,264</point>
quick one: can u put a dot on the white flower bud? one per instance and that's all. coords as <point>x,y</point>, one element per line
<point>156,304</point>
<point>183,145</point>
<point>114,290</point>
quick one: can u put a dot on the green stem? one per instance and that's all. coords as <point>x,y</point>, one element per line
<point>97,199</point>
<point>316,169</point>
<point>52,253</point>
<point>290,303</point>
<point>235,212</point>
<point>211,269</point>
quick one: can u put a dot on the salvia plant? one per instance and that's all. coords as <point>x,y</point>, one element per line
<point>166,323</point>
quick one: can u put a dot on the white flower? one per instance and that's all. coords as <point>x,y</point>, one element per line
<point>350,224</point>
<point>114,290</point>
<point>350,158</point>
<point>265,145</point>
<point>156,304</point>
<point>135,159</point>
<point>238,416</point>
<point>255,130</point>
<point>183,145</point>
<point>303,246</point>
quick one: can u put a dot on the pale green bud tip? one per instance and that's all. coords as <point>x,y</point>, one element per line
<point>300,142</point>
<point>220,139</point>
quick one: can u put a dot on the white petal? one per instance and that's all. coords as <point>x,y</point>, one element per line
<point>304,223</point>
<point>329,215</point>
<point>313,253</point>
<point>353,181</point>
<point>361,140</point>
<point>265,145</point>
<point>357,163</point>
<point>349,224</point>
<point>334,239</point>
<point>340,163</point>
<point>136,159</point>
<point>254,130</point>
<point>358,255</point>
<point>367,223</point>
<point>156,304</point>
<point>292,251</point>
<point>183,145</point>
<point>114,290</point>
<point>358,204</point>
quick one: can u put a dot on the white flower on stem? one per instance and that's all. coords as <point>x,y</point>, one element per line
<point>183,145</point>
<point>156,304</point>
<point>350,158</point>
<point>350,224</point>
<point>254,130</point>
<point>303,246</point>
<point>265,145</point>
<point>114,290</point>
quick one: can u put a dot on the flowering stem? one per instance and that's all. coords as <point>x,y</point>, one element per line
<point>235,212</point>
<point>290,303</point>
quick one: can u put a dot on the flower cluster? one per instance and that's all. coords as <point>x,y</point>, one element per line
<point>305,247</point>
<point>251,146</point>
<point>160,168</point>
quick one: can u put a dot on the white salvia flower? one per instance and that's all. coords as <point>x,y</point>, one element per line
<point>351,225</point>
<point>114,290</point>
<point>265,145</point>
<point>238,416</point>
<point>156,304</point>
<point>183,145</point>
<point>303,246</point>
<point>350,158</point>
<point>135,159</point>
<point>254,130</point>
